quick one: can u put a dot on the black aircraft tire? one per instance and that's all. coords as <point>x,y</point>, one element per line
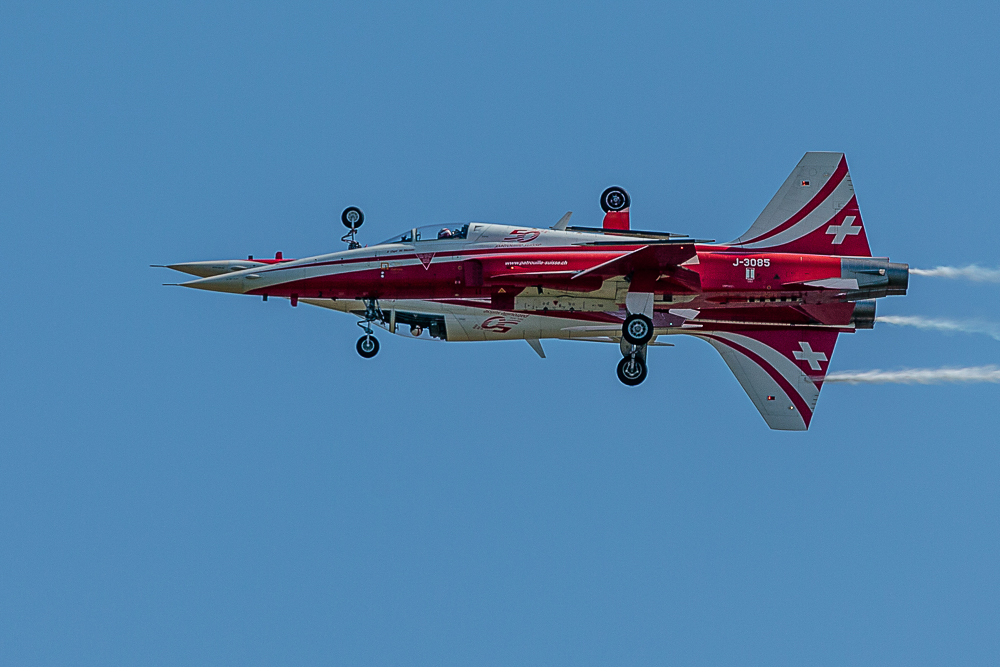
<point>367,346</point>
<point>615,199</point>
<point>632,371</point>
<point>352,217</point>
<point>637,329</point>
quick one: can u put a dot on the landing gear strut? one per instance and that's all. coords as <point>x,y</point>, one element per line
<point>632,368</point>
<point>637,331</point>
<point>368,345</point>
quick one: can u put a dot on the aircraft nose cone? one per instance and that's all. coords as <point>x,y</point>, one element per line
<point>236,284</point>
<point>213,268</point>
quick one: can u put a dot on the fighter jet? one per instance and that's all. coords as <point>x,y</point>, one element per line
<point>772,302</point>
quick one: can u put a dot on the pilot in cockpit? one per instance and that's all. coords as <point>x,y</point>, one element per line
<point>445,233</point>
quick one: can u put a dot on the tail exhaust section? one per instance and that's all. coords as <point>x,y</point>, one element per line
<point>863,316</point>
<point>873,278</point>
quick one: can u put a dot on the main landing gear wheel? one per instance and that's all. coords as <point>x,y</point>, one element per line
<point>614,199</point>
<point>637,329</point>
<point>367,344</point>
<point>368,347</point>
<point>632,370</point>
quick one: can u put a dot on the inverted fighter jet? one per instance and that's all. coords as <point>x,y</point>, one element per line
<point>772,302</point>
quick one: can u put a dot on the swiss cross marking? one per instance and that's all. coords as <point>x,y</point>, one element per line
<point>843,230</point>
<point>807,355</point>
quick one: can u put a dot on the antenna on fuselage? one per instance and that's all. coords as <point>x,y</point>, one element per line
<point>352,217</point>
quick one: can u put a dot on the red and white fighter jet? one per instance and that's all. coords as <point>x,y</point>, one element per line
<point>772,302</point>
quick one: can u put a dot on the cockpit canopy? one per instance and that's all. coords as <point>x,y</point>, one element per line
<point>440,232</point>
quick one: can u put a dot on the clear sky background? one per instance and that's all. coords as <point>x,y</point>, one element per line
<point>199,478</point>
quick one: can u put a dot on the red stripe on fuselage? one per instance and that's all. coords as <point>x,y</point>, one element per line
<point>722,270</point>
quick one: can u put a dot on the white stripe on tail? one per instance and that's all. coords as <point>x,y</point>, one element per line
<point>814,212</point>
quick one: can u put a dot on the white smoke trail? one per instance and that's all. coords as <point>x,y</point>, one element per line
<point>990,329</point>
<point>919,376</point>
<point>971,272</point>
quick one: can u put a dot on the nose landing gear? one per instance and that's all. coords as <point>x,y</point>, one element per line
<point>368,345</point>
<point>352,217</point>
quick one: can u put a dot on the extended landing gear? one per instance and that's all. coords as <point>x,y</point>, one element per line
<point>368,345</point>
<point>632,368</point>
<point>352,217</point>
<point>637,329</point>
<point>632,371</point>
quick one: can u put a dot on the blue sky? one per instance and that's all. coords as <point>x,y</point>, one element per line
<point>202,478</point>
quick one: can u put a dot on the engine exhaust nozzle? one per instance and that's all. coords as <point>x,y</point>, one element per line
<point>864,314</point>
<point>899,278</point>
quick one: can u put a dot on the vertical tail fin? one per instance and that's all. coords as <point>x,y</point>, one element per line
<point>782,370</point>
<point>815,211</point>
